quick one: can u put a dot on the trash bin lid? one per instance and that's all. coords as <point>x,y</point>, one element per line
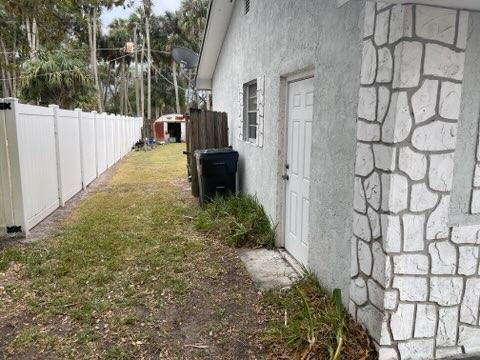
<point>205,152</point>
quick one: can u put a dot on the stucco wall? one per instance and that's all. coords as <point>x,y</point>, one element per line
<point>277,39</point>
<point>416,281</point>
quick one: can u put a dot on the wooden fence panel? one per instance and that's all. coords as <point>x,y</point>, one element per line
<point>205,130</point>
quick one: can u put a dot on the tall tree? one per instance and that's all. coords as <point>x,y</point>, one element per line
<point>168,35</point>
<point>57,78</point>
<point>147,9</point>
<point>192,15</point>
<point>137,23</point>
<point>137,74</point>
<point>90,10</point>
<point>25,27</point>
<point>182,28</point>
<point>119,60</point>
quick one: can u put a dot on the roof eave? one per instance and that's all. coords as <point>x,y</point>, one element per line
<point>455,4</point>
<point>203,84</point>
<point>218,19</point>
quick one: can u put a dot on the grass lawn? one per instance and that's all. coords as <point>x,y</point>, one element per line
<point>131,275</point>
<point>128,276</point>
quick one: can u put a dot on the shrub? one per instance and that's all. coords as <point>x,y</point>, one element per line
<point>239,220</point>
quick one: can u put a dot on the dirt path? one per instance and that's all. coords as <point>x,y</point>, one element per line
<point>127,276</point>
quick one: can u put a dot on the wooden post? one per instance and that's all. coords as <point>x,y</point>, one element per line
<point>224,130</point>
<point>209,130</point>
<point>194,145</point>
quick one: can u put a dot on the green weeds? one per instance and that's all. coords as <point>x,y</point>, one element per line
<point>307,319</point>
<point>239,220</point>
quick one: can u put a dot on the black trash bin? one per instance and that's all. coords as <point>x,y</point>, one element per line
<point>217,169</point>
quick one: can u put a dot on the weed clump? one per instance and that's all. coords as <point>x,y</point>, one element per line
<point>310,324</point>
<point>239,220</point>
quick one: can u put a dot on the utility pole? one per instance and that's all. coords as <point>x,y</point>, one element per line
<point>121,87</point>
<point>125,86</point>
<point>142,83</point>
<point>147,10</point>
<point>137,85</point>
<point>175,85</point>
<point>95,63</point>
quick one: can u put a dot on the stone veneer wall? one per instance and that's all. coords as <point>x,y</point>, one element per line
<point>415,281</point>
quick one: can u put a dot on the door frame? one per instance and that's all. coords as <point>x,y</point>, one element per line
<point>285,81</point>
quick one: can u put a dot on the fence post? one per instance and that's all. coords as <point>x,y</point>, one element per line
<point>114,135</point>
<point>6,209</point>
<point>57,153</point>
<point>82,165</point>
<point>95,129</point>
<point>105,136</point>
<point>14,137</point>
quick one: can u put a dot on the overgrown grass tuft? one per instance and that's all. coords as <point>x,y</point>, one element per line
<point>309,323</point>
<point>239,220</point>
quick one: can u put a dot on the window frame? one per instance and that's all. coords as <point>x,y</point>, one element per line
<point>247,111</point>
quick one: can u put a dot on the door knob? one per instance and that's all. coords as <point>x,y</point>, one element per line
<point>285,177</point>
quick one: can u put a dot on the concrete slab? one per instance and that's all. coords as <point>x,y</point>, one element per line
<point>268,268</point>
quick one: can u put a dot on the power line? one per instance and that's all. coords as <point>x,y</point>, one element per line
<point>70,50</point>
<point>57,72</point>
<point>167,79</point>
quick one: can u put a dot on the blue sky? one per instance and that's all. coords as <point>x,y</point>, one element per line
<point>159,6</point>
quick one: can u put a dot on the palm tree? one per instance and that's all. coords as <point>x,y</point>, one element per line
<point>137,22</point>
<point>90,10</point>
<point>192,17</point>
<point>172,37</point>
<point>57,78</point>
<point>27,26</point>
<point>115,67</point>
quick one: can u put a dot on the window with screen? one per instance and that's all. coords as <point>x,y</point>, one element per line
<point>250,111</point>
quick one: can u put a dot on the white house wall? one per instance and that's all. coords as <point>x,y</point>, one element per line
<point>277,39</point>
<point>415,278</point>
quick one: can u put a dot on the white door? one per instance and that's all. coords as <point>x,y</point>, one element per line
<point>299,115</point>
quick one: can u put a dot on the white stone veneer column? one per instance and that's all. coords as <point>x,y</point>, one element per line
<point>415,281</point>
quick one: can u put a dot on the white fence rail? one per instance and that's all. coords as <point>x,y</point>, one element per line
<point>47,155</point>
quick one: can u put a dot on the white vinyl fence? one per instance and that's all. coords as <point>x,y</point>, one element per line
<point>47,155</point>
